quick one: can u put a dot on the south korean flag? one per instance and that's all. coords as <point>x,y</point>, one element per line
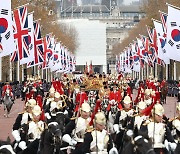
<point>7,45</point>
<point>173,33</point>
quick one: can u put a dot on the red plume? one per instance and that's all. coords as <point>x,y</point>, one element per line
<point>39,100</point>
<point>147,111</point>
<point>98,106</point>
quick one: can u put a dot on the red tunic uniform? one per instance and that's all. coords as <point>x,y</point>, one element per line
<point>5,88</point>
<point>80,98</point>
<point>116,96</point>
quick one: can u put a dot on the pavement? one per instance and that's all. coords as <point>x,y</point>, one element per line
<point>7,123</point>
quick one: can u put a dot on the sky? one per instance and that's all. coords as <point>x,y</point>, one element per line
<point>127,2</point>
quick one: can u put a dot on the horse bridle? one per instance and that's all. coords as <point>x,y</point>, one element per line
<point>136,147</point>
<point>150,150</point>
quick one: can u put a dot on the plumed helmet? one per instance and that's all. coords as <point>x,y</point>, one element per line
<point>53,106</point>
<point>127,100</point>
<point>31,103</point>
<point>36,110</point>
<point>142,105</point>
<point>57,95</point>
<point>100,118</point>
<point>158,109</point>
<point>147,92</point>
<point>51,90</point>
<point>85,107</point>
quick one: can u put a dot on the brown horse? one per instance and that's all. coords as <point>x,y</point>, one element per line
<point>164,92</point>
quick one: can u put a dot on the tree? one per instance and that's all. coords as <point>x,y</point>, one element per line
<point>151,8</point>
<point>46,11</point>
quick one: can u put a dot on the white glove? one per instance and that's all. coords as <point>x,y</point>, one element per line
<point>16,135</point>
<point>66,138</point>
<point>47,115</point>
<point>116,128</point>
<point>172,146</point>
<point>130,112</point>
<point>73,142</point>
<point>65,112</point>
<point>22,145</point>
<point>129,133</point>
<point>113,151</point>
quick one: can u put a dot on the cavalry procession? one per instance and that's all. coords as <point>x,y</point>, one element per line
<point>117,107</point>
<point>94,113</point>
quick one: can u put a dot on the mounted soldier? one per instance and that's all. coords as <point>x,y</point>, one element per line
<point>122,120</point>
<point>174,125</point>
<point>157,132</point>
<point>7,88</point>
<point>76,128</point>
<point>98,140</point>
<point>32,131</point>
<point>22,119</point>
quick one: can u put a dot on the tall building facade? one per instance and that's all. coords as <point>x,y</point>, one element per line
<point>118,20</point>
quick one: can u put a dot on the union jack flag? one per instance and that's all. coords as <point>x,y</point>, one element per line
<point>48,49</point>
<point>65,59</point>
<point>163,17</point>
<point>20,18</point>
<point>62,58</point>
<point>38,46</point>
<point>74,63</point>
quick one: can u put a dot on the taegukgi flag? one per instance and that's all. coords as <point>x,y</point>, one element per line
<point>7,45</point>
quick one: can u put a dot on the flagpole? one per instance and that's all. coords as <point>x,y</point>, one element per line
<point>174,70</point>
<point>18,70</point>
<point>151,70</point>
<point>46,74</point>
<point>22,72</point>
<point>142,73</point>
<point>166,71</point>
<point>38,72</point>
<point>156,70</point>
<point>42,74</point>
<point>147,71</point>
<point>10,70</point>
<point>173,6</point>
<point>34,70</point>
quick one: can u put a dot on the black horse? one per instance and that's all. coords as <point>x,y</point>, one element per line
<point>6,147</point>
<point>177,151</point>
<point>51,138</point>
<point>136,145</point>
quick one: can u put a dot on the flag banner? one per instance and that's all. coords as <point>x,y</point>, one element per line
<point>136,59</point>
<point>7,45</point>
<point>20,18</point>
<point>74,64</point>
<point>48,49</point>
<point>173,34</point>
<point>116,65</point>
<point>127,66</point>
<point>161,42</point>
<point>163,17</point>
<point>38,44</point>
<point>141,44</point>
<point>30,38</point>
<point>150,33</point>
<point>56,58</point>
<point>30,64</point>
